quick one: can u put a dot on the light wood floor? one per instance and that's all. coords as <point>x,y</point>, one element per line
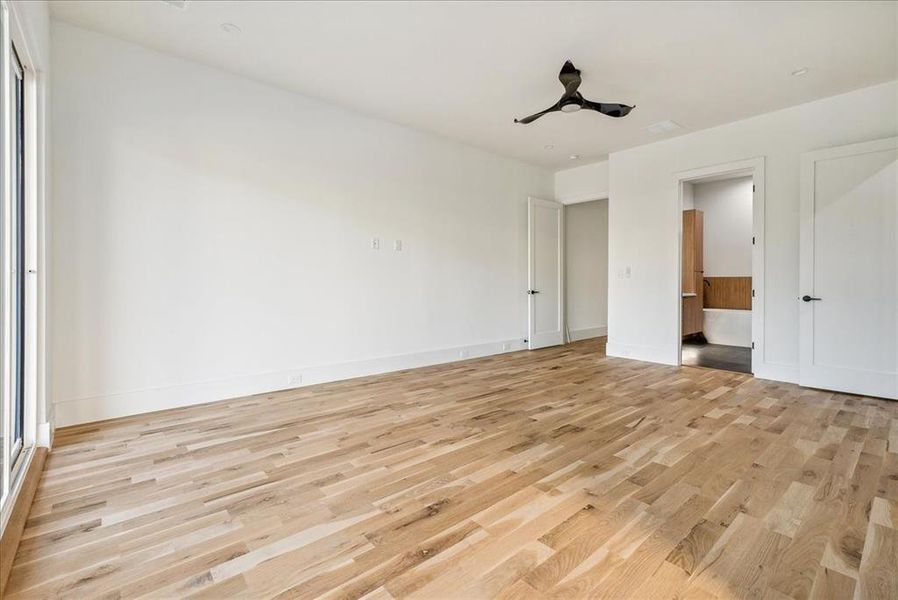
<point>556,473</point>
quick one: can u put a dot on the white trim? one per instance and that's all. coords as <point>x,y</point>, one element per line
<point>36,184</point>
<point>44,436</point>
<point>72,411</point>
<point>777,372</point>
<point>583,333</point>
<point>15,32</point>
<point>654,354</point>
<point>36,177</point>
<point>21,467</point>
<point>756,168</point>
<point>587,198</point>
<point>5,192</point>
<point>587,333</point>
<point>32,241</point>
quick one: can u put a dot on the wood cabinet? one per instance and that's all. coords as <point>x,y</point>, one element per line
<point>693,271</point>
<point>693,313</point>
<point>728,292</point>
<point>698,235</point>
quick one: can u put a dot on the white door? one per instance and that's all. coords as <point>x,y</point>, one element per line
<point>546,266</point>
<point>849,259</point>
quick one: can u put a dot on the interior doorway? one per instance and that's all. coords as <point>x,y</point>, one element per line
<point>721,266</point>
<point>586,269</point>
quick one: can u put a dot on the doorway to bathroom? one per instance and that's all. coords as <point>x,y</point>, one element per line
<point>720,266</point>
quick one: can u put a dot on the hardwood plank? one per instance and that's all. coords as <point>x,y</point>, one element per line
<point>553,473</point>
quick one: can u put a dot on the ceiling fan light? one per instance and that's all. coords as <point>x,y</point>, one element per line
<point>572,107</point>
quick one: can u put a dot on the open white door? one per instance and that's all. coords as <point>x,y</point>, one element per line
<point>546,268</point>
<point>849,269</point>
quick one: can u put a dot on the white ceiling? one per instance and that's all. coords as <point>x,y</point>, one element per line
<point>465,70</point>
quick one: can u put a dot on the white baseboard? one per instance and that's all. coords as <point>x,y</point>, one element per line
<point>777,372</point>
<point>587,333</point>
<point>44,437</point>
<point>771,371</point>
<point>73,411</point>
<point>643,353</point>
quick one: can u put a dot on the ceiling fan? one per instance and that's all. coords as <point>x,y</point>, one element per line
<point>572,100</point>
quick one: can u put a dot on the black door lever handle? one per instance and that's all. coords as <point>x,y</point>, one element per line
<point>531,292</point>
<point>807,298</point>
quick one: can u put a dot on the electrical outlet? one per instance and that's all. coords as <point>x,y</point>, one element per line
<point>397,245</point>
<point>295,379</point>
<point>463,353</point>
<point>506,346</point>
<point>375,243</point>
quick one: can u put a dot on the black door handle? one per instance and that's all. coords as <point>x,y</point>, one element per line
<point>531,292</point>
<point>807,298</point>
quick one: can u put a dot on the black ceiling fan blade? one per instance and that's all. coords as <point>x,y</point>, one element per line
<point>572,100</point>
<point>570,79</point>
<point>609,108</point>
<point>534,117</point>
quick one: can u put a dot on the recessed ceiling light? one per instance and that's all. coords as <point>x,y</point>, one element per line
<point>800,72</point>
<point>230,28</point>
<point>548,147</point>
<point>574,157</point>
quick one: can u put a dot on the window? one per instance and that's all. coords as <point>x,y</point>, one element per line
<point>5,405</point>
<point>18,252</point>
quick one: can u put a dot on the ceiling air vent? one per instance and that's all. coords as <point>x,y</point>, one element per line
<point>663,127</point>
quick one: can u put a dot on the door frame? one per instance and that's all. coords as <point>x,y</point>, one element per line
<point>531,202</point>
<point>806,247</point>
<point>755,168</point>
<point>585,200</point>
<point>36,429</point>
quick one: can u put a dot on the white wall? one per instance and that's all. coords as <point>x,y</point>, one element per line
<point>727,215</point>
<point>212,237</point>
<point>34,18</point>
<point>586,269</point>
<point>583,183</point>
<point>688,196</point>
<point>644,218</point>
